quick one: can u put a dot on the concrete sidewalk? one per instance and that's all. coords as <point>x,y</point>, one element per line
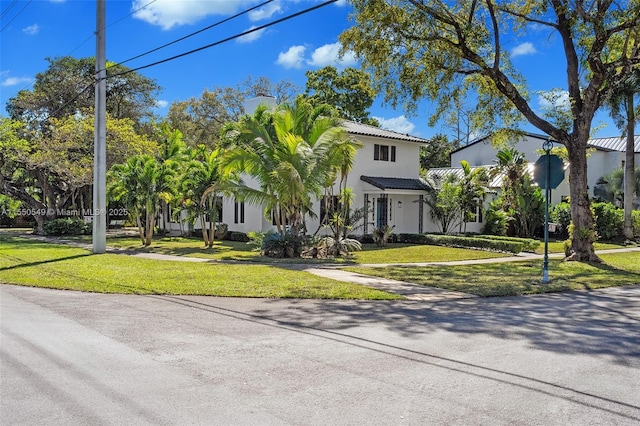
<point>332,271</point>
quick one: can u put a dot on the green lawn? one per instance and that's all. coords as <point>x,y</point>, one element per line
<point>231,250</point>
<point>558,246</point>
<point>416,253</point>
<point>515,278</point>
<point>33,263</point>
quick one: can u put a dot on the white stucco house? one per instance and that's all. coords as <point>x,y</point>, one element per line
<point>385,178</point>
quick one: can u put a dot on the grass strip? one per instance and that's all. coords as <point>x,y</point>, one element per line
<point>517,278</point>
<point>33,263</point>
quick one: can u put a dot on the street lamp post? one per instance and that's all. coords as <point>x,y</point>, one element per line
<point>547,145</point>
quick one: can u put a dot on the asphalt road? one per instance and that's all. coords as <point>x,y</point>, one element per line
<point>70,358</point>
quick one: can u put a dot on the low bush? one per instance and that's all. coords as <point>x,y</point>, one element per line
<point>459,241</point>
<point>66,226</point>
<point>529,245</point>
<point>237,236</point>
<point>609,221</point>
<point>561,214</point>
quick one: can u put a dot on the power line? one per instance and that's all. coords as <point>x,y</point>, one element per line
<point>16,15</point>
<point>4,12</point>
<point>110,25</point>
<point>196,32</point>
<point>277,21</point>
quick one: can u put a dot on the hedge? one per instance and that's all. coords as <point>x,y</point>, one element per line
<point>66,226</point>
<point>529,244</point>
<point>509,246</point>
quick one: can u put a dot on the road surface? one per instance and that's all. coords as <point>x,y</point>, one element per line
<point>89,359</point>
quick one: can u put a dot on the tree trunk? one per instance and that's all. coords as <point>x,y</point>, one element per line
<point>140,228</point>
<point>629,169</point>
<point>203,223</point>
<point>583,234</point>
<point>150,224</point>
<point>212,233</point>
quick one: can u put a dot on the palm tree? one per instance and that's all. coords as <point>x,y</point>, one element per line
<point>140,184</point>
<point>291,154</point>
<point>200,184</point>
<point>472,191</point>
<point>624,112</point>
<point>512,165</point>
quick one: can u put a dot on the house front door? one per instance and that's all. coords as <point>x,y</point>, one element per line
<point>382,211</point>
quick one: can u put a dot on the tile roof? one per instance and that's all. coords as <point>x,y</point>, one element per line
<point>395,183</point>
<point>366,130</point>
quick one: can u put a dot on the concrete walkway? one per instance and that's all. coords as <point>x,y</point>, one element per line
<point>409,290</point>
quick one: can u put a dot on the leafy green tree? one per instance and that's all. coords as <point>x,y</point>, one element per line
<point>284,91</point>
<point>54,172</point>
<point>441,50</point>
<point>66,88</point>
<point>349,91</point>
<point>201,119</point>
<point>624,111</point>
<point>288,154</point>
<point>442,197</point>
<point>438,152</point>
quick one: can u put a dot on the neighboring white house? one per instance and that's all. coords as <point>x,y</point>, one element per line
<point>607,155</point>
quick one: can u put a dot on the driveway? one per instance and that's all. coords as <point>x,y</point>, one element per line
<point>82,358</point>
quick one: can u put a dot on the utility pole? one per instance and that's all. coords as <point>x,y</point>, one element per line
<point>100,136</point>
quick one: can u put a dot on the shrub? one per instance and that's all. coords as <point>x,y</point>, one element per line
<point>277,245</point>
<point>496,221</point>
<point>66,226</point>
<point>635,222</point>
<point>237,236</point>
<point>221,231</point>
<point>561,214</point>
<point>609,221</point>
<point>529,245</point>
<point>382,234</point>
<point>512,245</point>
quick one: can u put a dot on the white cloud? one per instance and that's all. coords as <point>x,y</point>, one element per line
<point>523,49</point>
<point>265,12</point>
<point>553,99</point>
<point>161,104</point>
<point>398,124</point>
<point>15,81</point>
<point>31,29</point>
<point>292,58</point>
<point>251,36</point>
<point>341,3</point>
<point>170,13</point>
<point>329,54</point>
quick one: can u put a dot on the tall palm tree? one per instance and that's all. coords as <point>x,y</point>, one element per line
<point>200,184</point>
<point>140,184</point>
<point>290,155</point>
<point>623,110</point>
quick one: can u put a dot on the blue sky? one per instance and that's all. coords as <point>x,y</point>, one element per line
<point>31,31</point>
